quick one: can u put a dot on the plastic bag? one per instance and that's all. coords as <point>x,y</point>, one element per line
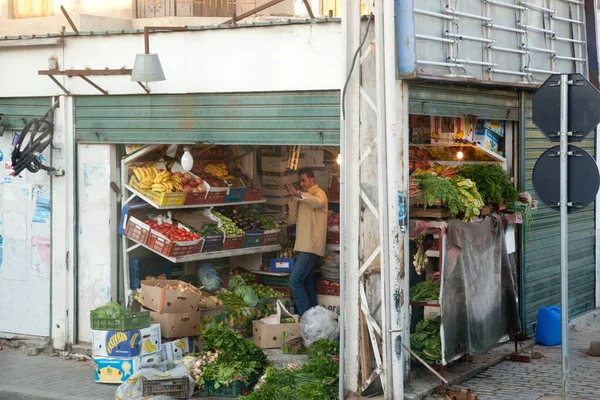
<point>209,278</point>
<point>319,323</point>
<point>132,389</point>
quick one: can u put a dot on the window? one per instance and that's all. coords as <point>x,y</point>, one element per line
<point>33,8</point>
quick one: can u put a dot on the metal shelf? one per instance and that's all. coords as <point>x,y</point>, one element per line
<point>271,273</point>
<point>209,255</point>
<point>153,204</point>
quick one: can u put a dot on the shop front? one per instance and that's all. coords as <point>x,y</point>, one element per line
<point>229,207</point>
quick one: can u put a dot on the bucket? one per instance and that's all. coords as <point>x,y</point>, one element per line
<point>548,330</point>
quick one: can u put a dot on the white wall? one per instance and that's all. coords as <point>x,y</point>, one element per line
<point>290,57</point>
<point>96,233</point>
<point>24,248</point>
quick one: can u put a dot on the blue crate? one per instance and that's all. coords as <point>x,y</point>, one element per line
<point>235,195</point>
<point>281,264</point>
<point>252,239</point>
<point>149,265</point>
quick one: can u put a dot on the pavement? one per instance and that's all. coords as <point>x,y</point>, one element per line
<point>489,376</point>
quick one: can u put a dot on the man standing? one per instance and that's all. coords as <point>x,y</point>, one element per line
<point>308,209</point>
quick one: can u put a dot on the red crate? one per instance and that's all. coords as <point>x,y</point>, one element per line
<point>271,237</point>
<point>167,247</point>
<point>333,191</point>
<point>333,237</point>
<point>253,194</point>
<point>233,242</point>
<point>137,230</point>
<point>327,290</point>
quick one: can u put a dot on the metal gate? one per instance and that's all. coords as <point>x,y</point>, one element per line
<point>17,111</point>
<point>463,101</point>
<point>540,257</point>
<point>300,118</point>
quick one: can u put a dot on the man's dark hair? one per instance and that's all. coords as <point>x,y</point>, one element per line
<point>306,170</point>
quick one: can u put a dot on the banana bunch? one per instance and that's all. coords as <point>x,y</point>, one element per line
<point>149,347</point>
<point>219,170</point>
<point>158,181</point>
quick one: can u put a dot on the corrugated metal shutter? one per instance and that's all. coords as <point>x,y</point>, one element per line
<point>308,118</point>
<point>463,101</point>
<point>541,259</point>
<point>19,110</point>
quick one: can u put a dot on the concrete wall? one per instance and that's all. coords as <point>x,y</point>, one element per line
<point>289,57</point>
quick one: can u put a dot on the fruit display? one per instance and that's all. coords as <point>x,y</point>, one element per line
<point>157,180</point>
<point>229,227</point>
<point>266,292</point>
<point>333,220</point>
<point>219,170</point>
<point>235,182</point>
<point>248,277</point>
<point>190,183</point>
<point>173,232</point>
<point>418,159</point>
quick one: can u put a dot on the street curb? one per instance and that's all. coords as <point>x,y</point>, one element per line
<point>526,345</point>
<point>583,321</point>
<point>18,393</point>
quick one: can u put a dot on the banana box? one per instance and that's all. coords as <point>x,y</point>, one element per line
<point>118,370</point>
<point>138,342</point>
<point>177,349</point>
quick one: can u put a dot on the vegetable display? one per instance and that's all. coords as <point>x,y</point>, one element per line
<point>425,291</point>
<point>426,341</point>
<point>209,230</point>
<point>434,189</point>
<point>493,183</point>
<point>231,300</point>
<point>243,291</point>
<point>470,198</point>
<point>229,227</point>
<point>173,232</point>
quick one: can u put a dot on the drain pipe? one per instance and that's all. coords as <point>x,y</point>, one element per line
<point>405,37</point>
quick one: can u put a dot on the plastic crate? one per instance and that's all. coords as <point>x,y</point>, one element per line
<point>126,322</point>
<point>137,230</point>
<point>235,194</point>
<point>233,391</point>
<point>149,266</point>
<point>271,280</point>
<point>271,237</point>
<point>252,239</point>
<point>215,195</point>
<point>213,243</point>
<point>161,199</point>
<point>253,194</point>
<point>233,242</point>
<point>196,198</point>
<point>281,264</point>
<point>169,248</point>
<point>175,388</point>
<point>327,290</point>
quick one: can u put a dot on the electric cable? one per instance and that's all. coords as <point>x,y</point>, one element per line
<point>34,138</point>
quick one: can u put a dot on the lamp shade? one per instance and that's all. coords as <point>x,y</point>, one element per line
<point>187,160</point>
<point>147,68</point>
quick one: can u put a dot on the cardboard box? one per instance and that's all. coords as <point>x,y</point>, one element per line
<point>271,336</point>
<point>163,300</point>
<point>278,164</point>
<point>118,370</point>
<point>281,264</point>
<point>332,303</point>
<point>176,325</point>
<point>278,201</point>
<point>430,312</point>
<point>495,126</point>
<point>313,158</point>
<point>445,130</point>
<point>177,349</point>
<point>135,343</point>
<point>279,180</point>
<point>276,192</point>
<point>487,139</point>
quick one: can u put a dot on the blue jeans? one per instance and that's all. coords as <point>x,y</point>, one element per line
<point>303,284</point>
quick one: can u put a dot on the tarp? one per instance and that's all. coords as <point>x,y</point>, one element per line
<point>478,293</point>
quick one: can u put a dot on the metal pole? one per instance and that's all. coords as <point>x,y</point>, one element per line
<point>564,232</point>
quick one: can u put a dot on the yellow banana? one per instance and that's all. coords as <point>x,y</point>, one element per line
<point>137,174</point>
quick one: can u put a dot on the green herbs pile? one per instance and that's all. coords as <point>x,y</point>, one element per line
<point>425,291</point>
<point>426,341</point>
<point>493,183</point>
<point>239,359</point>
<point>314,381</point>
<point>460,196</point>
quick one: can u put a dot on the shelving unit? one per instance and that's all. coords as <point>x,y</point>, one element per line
<point>129,244</point>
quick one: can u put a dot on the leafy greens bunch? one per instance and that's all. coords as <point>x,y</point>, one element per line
<point>492,181</point>
<point>426,341</point>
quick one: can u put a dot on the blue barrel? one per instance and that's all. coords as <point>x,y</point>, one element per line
<point>548,330</point>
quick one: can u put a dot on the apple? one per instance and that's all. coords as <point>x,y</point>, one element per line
<point>193,184</point>
<point>189,189</point>
<point>184,180</point>
<point>199,181</point>
<point>188,176</point>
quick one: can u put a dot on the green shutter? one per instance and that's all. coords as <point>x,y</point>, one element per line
<point>306,118</point>
<point>541,258</point>
<point>19,110</point>
<point>463,101</point>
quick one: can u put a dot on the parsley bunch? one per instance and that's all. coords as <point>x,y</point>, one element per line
<point>492,181</point>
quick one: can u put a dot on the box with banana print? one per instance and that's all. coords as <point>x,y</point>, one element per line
<point>177,349</point>
<point>120,369</point>
<point>135,343</point>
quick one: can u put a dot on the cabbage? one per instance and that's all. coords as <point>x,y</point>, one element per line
<point>247,294</point>
<point>109,310</point>
<point>209,277</point>
<point>235,282</point>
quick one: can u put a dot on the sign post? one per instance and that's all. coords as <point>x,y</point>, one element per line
<point>566,108</point>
